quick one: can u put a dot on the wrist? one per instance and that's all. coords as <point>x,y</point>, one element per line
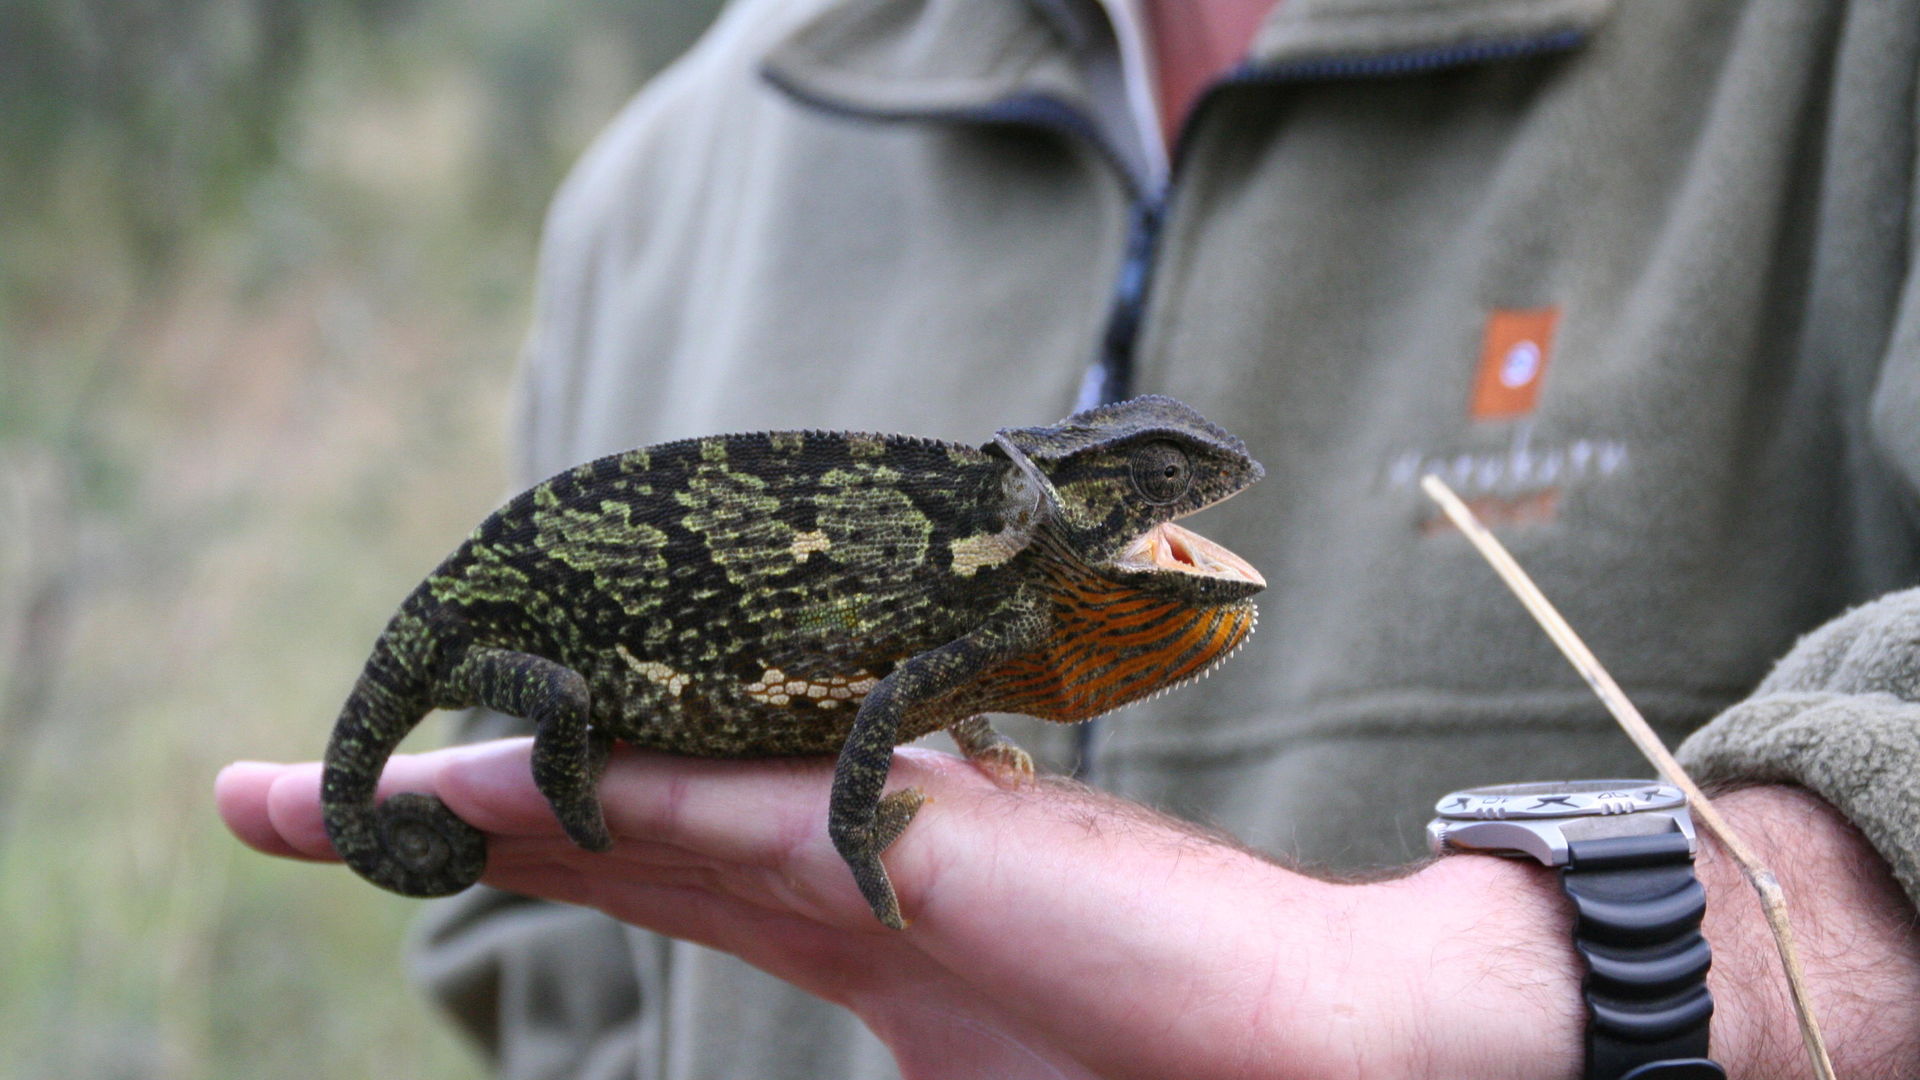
<point>1485,959</point>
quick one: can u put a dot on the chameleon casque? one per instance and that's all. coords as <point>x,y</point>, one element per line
<point>802,592</point>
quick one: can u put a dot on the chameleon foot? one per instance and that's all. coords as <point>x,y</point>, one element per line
<point>992,753</point>
<point>1007,765</point>
<point>413,845</point>
<point>574,796</point>
<point>862,853</point>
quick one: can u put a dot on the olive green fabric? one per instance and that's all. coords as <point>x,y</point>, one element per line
<point>854,215</point>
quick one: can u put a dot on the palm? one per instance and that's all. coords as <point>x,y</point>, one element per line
<point>740,863</point>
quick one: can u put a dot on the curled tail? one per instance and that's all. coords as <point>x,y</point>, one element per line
<point>410,844</point>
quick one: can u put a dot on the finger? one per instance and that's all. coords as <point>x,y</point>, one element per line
<point>279,805</point>
<point>489,785</point>
<point>293,808</point>
<point>240,797</point>
<point>752,812</point>
<point>760,813</point>
<point>768,816</point>
<point>768,821</point>
<point>758,826</point>
<point>755,813</point>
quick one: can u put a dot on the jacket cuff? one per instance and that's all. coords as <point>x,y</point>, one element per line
<point>1839,716</point>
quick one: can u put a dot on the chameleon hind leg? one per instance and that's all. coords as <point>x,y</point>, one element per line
<point>568,754</point>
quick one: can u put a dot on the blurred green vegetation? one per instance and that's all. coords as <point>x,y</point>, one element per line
<point>264,265</point>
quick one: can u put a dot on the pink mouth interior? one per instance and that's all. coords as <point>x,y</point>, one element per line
<point>1171,547</point>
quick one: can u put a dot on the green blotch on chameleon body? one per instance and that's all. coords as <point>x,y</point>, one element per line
<point>740,522</point>
<point>489,578</point>
<point>870,522</point>
<point>835,616</point>
<point>626,558</point>
<point>981,551</point>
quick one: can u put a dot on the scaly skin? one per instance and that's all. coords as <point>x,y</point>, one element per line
<point>798,593</point>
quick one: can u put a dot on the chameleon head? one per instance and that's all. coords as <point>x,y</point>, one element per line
<point>1114,479</point>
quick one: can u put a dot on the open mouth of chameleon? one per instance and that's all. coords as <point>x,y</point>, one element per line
<point>1170,547</point>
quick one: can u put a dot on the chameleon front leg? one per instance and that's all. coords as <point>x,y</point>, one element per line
<point>860,822</point>
<point>568,755</point>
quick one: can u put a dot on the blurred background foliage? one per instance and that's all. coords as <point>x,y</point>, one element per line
<point>264,266</point>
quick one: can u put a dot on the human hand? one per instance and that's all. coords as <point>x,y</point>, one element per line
<point>1057,932</point>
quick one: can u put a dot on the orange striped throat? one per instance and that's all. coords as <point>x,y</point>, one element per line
<point>1115,642</point>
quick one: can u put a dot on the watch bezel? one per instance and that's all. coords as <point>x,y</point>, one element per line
<point>1548,799</point>
<point>1540,820</point>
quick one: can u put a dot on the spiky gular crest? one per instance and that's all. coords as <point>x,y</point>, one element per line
<point>1112,476</point>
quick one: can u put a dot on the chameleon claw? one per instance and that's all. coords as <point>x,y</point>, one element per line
<point>886,906</point>
<point>877,888</point>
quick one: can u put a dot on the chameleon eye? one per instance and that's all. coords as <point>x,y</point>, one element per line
<point>1161,472</point>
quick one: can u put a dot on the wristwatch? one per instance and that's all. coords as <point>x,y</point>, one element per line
<point>1625,852</point>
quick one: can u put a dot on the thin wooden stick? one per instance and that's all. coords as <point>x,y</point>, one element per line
<point>1772,899</point>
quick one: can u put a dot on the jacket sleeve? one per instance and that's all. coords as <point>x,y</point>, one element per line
<point>1839,716</point>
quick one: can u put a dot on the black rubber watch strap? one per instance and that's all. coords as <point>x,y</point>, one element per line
<point>1637,927</point>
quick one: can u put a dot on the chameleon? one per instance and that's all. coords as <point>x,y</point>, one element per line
<point>802,592</point>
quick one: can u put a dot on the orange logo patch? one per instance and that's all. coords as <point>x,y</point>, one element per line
<point>1513,362</point>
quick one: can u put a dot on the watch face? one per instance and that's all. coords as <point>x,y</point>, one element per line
<point>1559,798</point>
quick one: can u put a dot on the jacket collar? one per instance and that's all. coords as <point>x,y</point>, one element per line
<point>928,58</point>
<point>1315,35</point>
<point>964,58</point>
